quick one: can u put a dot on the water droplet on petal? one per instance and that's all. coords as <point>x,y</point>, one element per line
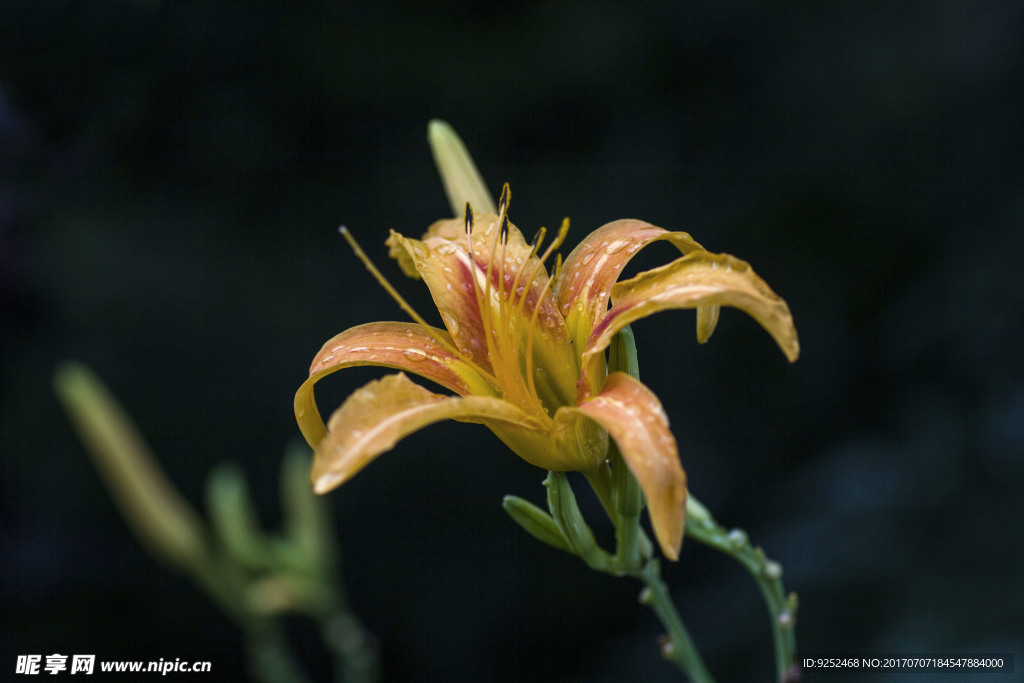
<point>617,246</point>
<point>588,257</point>
<point>414,355</point>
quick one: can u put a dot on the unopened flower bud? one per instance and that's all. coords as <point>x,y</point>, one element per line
<point>567,515</point>
<point>535,521</point>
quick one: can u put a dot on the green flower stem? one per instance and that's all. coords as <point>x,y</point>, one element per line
<point>270,657</point>
<point>678,647</point>
<point>768,574</point>
<point>353,649</point>
<point>632,558</point>
<point>627,541</point>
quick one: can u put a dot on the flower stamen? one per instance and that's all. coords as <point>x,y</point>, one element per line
<point>405,306</point>
<point>483,303</point>
<point>512,380</point>
<point>529,339</point>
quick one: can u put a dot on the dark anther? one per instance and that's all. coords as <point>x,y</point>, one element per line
<point>469,218</point>
<point>506,197</point>
<point>504,229</point>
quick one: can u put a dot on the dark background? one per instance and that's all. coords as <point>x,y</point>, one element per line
<point>172,177</point>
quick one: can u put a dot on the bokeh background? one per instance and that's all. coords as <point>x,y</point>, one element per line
<point>171,178</point>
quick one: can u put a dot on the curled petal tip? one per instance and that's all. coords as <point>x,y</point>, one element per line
<point>707,320</point>
<point>324,482</point>
<point>634,417</point>
<point>792,351</point>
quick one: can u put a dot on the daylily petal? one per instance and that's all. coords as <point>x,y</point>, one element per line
<point>404,346</point>
<point>376,417</point>
<point>575,445</point>
<point>586,278</point>
<point>700,279</point>
<point>511,284</point>
<point>511,264</point>
<point>449,275</point>
<point>634,417</point>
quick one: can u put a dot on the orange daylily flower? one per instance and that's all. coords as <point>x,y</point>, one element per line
<point>524,352</point>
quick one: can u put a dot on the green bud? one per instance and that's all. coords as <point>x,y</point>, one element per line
<point>622,353</point>
<point>462,180</point>
<point>535,521</point>
<point>160,516</point>
<point>567,515</point>
<point>233,517</point>
<point>628,500</point>
<point>307,516</point>
<point>627,496</point>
